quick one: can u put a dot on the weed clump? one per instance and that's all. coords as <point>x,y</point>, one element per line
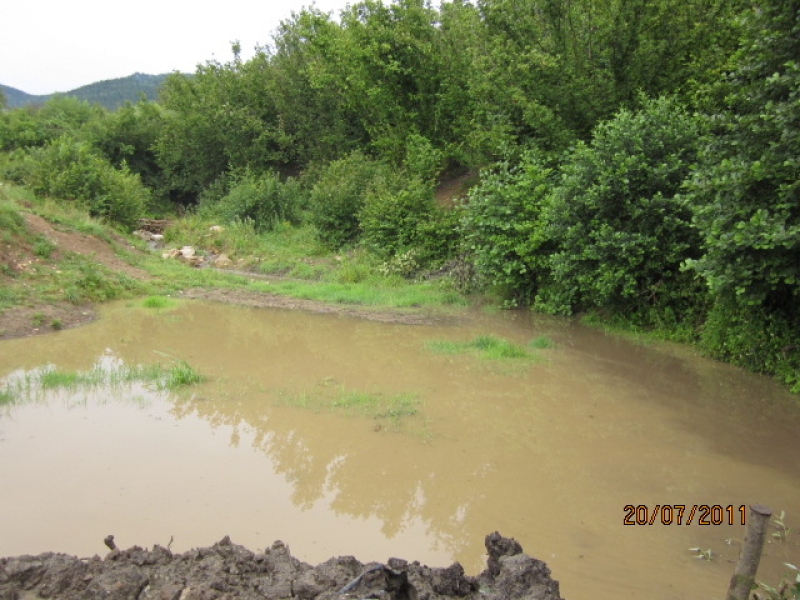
<point>106,372</point>
<point>489,347</point>
<point>158,302</point>
<point>181,374</point>
<point>327,395</point>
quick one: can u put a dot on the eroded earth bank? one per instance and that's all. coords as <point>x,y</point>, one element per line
<point>226,570</point>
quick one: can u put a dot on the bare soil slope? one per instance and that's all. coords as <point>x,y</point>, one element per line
<point>21,256</point>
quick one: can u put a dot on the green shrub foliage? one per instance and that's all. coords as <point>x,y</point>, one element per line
<point>622,227</point>
<point>747,193</point>
<point>264,200</point>
<point>748,187</point>
<point>71,170</point>
<point>754,337</point>
<point>338,198</point>
<point>503,227</point>
<point>394,206</point>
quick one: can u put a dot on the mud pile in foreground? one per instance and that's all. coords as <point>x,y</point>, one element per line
<point>226,570</point>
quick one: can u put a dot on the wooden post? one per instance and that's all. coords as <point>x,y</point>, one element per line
<point>744,576</point>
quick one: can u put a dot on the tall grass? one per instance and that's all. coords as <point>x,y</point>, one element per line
<point>27,385</point>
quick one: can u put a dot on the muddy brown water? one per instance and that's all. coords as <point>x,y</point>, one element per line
<point>548,451</point>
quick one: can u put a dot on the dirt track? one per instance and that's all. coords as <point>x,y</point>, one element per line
<point>227,571</point>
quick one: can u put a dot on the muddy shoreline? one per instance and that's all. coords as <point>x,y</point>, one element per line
<point>26,321</point>
<point>226,571</point>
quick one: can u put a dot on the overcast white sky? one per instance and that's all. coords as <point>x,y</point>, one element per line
<point>51,46</point>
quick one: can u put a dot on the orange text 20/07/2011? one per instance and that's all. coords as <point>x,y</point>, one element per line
<point>684,514</point>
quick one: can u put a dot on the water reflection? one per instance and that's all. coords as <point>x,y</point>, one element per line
<point>548,451</point>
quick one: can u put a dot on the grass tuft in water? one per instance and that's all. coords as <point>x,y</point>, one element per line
<point>158,302</point>
<point>489,347</point>
<point>327,395</point>
<point>541,342</point>
<point>6,397</point>
<point>55,379</point>
<point>179,374</point>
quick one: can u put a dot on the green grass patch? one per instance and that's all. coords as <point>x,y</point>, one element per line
<point>285,249</point>
<point>331,396</point>
<point>6,397</point>
<point>181,374</point>
<point>55,276</point>
<point>12,223</point>
<point>487,347</point>
<point>541,342</point>
<point>158,302</point>
<point>43,247</point>
<point>410,295</point>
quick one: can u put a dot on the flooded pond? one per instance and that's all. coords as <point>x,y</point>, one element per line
<point>345,436</point>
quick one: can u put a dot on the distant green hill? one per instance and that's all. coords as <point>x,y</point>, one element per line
<point>111,93</point>
<point>16,98</point>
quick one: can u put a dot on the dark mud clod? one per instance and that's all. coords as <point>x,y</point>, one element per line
<point>228,571</point>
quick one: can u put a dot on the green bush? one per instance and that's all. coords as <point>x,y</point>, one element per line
<point>622,228</point>
<point>264,200</point>
<point>754,337</point>
<point>338,198</point>
<point>393,208</point>
<point>29,127</point>
<point>70,170</point>
<point>422,159</point>
<point>438,237</point>
<point>503,227</point>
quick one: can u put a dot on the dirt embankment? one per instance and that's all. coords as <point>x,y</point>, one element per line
<point>26,320</point>
<point>228,571</point>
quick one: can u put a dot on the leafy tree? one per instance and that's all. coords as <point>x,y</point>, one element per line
<point>622,227</point>
<point>33,127</point>
<point>64,114</point>
<point>553,69</point>
<point>389,73</point>
<point>458,47</point>
<point>223,116</point>
<point>129,136</point>
<point>747,193</point>
<point>19,128</point>
<point>748,189</point>
<point>307,83</point>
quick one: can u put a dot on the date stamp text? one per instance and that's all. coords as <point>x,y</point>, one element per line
<point>684,514</point>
